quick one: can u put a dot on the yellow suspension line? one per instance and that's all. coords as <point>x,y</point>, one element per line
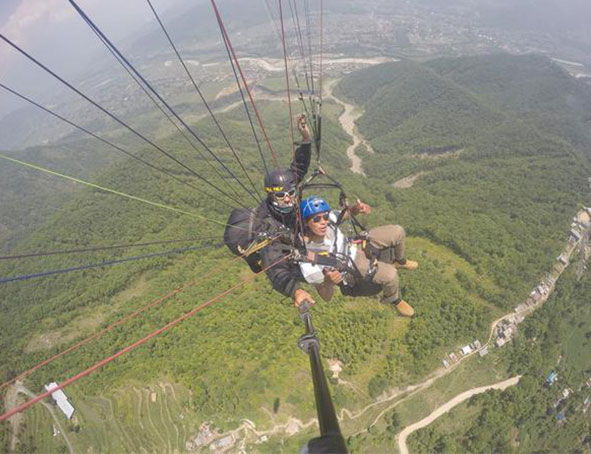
<point>112,191</point>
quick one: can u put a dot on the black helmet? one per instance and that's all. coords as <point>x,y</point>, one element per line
<point>279,180</point>
<point>277,183</point>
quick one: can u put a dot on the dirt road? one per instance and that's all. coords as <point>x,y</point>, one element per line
<point>19,388</point>
<point>403,436</point>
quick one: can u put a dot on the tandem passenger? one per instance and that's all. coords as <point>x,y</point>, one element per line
<point>358,268</point>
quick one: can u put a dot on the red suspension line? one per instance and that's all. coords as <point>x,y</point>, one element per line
<point>116,323</point>
<point>286,75</point>
<point>256,111</point>
<point>131,347</point>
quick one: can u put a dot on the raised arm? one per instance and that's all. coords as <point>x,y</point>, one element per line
<point>301,159</point>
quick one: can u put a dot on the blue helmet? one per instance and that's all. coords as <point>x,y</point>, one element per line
<point>313,205</point>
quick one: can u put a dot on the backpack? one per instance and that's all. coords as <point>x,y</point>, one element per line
<point>241,230</point>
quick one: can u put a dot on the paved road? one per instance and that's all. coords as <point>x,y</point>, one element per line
<point>402,437</point>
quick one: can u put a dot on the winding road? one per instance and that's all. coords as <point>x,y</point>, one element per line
<point>446,407</point>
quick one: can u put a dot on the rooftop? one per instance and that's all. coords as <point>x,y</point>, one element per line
<point>61,400</point>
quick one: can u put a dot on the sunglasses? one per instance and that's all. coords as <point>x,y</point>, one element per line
<point>321,217</point>
<point>282,194</point>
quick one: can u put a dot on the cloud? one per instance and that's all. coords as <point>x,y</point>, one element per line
<point>28,17</point>
<point>32,13</point>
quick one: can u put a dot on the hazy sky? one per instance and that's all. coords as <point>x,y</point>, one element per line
<point>52,31</point>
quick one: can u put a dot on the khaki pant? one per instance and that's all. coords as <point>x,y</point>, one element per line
<point>390,239</point>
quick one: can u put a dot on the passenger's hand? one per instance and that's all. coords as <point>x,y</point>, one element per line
<point>334,276</point>
<point>360,208</point>
<point>300,295</point>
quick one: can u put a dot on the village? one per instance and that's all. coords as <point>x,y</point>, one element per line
<point>579,244</point>
<point>505,329</point>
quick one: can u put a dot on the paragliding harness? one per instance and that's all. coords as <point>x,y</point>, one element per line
<point>362,284</point>
<point>245,235</point>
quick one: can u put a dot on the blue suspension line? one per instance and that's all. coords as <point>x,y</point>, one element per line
<point>25,277</point>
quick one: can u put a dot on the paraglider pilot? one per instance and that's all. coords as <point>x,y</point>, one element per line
<point>276,214</point>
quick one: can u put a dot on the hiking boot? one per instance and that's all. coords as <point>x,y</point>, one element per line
<point>401,306</point>
<point>404,309</point>
<point>406,264</point>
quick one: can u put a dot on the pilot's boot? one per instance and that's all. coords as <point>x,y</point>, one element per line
<point>405,264</point>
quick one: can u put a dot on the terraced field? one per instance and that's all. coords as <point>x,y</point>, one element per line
<point>156,418</point>
<point>37,433</point>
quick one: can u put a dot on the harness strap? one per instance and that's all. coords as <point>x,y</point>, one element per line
<point>253,247</point>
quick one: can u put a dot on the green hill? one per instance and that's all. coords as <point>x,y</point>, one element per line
<point>503,195</point>
<point>486,218</point>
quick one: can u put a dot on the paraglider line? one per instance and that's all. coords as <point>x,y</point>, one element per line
<point>248,91</point>
<point>112,191</point>
<point>25,277</point>
<point>109,44</point>
<point>118,120</point>
<point>136,344</point>
<point>218,125</point>
<point>116,147</point>
<point>100,248</point>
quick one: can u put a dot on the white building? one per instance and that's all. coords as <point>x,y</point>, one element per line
<point>574,234</point>
<point>466,349</point>
<point>61,400</point>
<point>501,341</point>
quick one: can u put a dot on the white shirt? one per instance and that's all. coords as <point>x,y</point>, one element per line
<point>336,243</point>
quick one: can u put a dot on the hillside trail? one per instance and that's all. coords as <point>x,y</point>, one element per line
<point>19,388</point>
<point>11,400</point>
<point>347,120</point>
<point>446,407</point>
<point>294,425</point>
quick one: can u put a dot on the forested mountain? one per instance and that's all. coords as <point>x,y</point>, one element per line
<point>497,183</point>
<point>495,192</point>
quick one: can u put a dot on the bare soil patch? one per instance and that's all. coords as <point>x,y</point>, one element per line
<point>443,155</point>
<point>407,182</point>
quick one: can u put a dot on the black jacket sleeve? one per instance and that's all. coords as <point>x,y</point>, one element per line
<point>301,160</point>
<point>285,277</point>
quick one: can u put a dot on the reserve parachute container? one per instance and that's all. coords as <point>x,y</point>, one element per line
<point>240,233</point>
